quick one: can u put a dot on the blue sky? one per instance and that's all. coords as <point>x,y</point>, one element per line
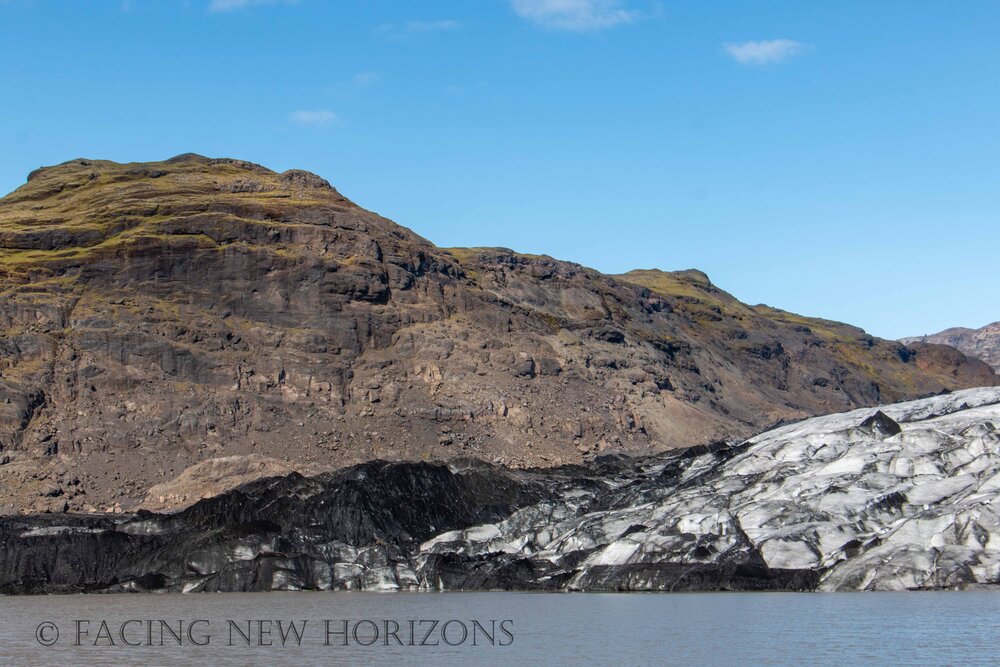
<point>837,159</point>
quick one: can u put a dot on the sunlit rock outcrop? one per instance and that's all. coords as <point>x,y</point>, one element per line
<point>159,319</point>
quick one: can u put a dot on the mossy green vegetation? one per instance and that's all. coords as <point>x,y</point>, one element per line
<point>690,285</point>
<point>84,210</point>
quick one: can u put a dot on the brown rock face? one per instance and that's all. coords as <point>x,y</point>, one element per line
<point>157,316</point>
<point>215,476</point>
<point>981,343</point>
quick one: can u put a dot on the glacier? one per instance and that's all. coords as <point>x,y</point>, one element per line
<point>899,497</point>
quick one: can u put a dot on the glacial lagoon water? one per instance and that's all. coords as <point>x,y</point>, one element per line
<point>939,628</point>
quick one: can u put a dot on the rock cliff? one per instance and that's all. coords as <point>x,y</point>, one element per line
<point>164,322</point>
<point>983,343</point>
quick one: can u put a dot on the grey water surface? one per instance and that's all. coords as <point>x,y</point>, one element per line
<point>927,628</point>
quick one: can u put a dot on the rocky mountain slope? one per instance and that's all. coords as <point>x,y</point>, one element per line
<point>157,317</point>
<point>904,497</point>
<point>981,343</point>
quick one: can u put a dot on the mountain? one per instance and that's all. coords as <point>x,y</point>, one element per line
<point>899,498</point>
<point>981,343</point>
<point>191,324</point>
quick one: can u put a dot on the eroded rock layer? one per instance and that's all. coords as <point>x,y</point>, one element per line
<point>164,322</point>
<point>905,497</point>
<point>982,343</point>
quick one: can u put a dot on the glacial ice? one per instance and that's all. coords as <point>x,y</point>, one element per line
<point>861,508</point>
<point>909,499</point>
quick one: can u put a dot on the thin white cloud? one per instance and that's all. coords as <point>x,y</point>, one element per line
<point>767,52</point>
<point>230,5</point>
<point>366,79</point>
<point>432,26</point>
<point>575,15</point>
<point>414,27</point>
<point>313,117</point>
